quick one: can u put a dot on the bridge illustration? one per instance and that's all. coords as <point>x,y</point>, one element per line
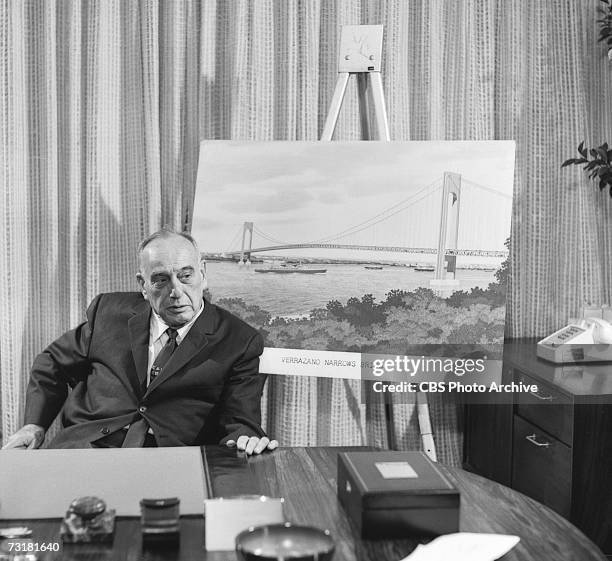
<point>449,218</point>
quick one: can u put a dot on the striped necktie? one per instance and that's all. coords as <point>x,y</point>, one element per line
<point>137,431</point>
<point>164,355</point>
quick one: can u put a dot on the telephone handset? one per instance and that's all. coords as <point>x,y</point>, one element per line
<point>587,340</point>
<point>602,330</point>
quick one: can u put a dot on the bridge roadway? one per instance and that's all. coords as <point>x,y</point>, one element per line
<point>390,248</point>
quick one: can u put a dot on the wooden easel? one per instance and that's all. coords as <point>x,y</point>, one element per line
<point>360,54</point>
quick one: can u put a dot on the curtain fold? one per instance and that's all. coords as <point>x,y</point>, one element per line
<point>103,105</point>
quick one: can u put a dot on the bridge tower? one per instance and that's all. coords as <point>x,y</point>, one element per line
<point>449,230</point>
<point>245,252</point>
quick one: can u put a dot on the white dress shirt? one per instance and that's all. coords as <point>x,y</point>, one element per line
<point>158,336</point>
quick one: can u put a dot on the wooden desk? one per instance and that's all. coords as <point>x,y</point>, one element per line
<point>306,478</point>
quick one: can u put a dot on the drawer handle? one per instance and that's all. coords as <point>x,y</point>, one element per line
<point>532,438</point>
<point>542,397</point>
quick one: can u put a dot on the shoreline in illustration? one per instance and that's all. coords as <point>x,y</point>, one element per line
<point>292,296</point>
<point>386,325</point>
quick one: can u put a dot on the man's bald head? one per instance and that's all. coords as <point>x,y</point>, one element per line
<point>165,233</point>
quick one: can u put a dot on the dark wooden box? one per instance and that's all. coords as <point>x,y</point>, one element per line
<point>396,494</point>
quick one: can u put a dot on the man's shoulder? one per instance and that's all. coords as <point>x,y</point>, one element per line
<point>118,303</point>
<point>124,300</point>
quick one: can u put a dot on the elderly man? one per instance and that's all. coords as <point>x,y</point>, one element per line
<point>163,367</point>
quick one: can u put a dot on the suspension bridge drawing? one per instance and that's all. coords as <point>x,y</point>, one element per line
<point>447,204</point>
<point>382,219</point>
<point>457,232</point>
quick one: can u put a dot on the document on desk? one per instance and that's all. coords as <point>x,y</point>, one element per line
<point>464,546</point>
<point>42,483</point>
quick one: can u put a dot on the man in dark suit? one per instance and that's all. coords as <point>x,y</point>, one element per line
<point>163,367</point>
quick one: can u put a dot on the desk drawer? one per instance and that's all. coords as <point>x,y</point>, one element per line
<point>548,408</point>
<point>541,467</point>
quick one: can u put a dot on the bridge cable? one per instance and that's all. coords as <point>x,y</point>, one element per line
<point>348,231</point>
<point>265,236</point>
<point>489,189</point>
<point>356,230</point>
<point>386,217</point>
<point>234,241</point>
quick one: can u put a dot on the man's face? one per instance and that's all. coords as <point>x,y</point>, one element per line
<point>172,279</point>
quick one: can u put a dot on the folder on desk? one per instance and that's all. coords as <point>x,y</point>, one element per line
<point>42,483</point>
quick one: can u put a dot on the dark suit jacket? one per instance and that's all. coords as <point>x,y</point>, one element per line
<point>208,392</point>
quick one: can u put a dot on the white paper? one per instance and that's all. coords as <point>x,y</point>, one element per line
<point>396,470</point>
<point>464,546</point>
<point>226,518</point>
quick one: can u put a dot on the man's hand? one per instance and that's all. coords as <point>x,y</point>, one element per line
<point>253,444</point>
<point>28,436</point>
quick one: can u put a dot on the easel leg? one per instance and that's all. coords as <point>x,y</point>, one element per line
<point>380,109</point>
<point>334,108</point>
<point>429,446</point>
<point>382,122</point>
<point>364,113</point>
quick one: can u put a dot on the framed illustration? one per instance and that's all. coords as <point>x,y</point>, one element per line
<point>341,251</point>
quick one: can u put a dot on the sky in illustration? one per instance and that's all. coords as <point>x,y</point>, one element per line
<point>365,193</point>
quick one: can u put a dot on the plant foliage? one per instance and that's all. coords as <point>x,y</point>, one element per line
<point>598,164</point>
<point>403,319</point>
<point>605,23</point>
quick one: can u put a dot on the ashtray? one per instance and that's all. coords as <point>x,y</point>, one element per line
<point>284,541</point>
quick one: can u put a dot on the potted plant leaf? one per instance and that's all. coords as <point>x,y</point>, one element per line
<point>598,164</point>
<point>605,25</point>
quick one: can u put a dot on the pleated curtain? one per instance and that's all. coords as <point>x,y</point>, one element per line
<point>103,105</point>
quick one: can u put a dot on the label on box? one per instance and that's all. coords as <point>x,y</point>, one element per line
<point>395,470</point>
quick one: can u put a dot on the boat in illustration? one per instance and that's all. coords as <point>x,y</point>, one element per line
<point>286,268</point>
<point>425,268</point>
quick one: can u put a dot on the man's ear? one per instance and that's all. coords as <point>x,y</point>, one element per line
<point>141,284</point>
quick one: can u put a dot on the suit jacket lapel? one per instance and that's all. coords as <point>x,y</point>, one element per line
<point>138,326</point>
<point>193,343</point>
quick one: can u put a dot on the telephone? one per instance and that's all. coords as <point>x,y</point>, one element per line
<point>587,340</point>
